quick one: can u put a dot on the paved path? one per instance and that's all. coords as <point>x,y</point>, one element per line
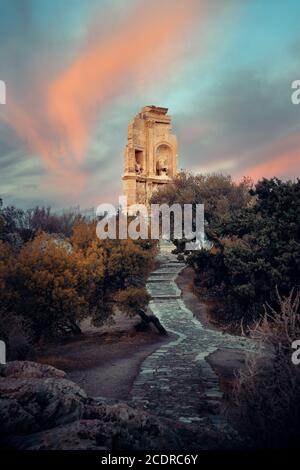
<point>176,381</point>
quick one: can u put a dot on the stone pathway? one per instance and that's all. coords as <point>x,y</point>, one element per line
<point>176,381</point>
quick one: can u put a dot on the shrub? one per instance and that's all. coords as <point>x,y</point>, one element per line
<point>18,225</point>
<point>45,284</point>
<point>132,299</point>
<point>52,283</point>
<point>255,249</point>
<point>267,393</point>
<point>219,193</point>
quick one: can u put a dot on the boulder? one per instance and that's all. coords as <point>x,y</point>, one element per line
<point>42,403</point>
<point>118,427</point>
<point>41,409</point>
<point>132,428</point>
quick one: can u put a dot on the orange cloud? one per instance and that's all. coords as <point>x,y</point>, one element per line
<point>102,69</point>
<point>27,127</point>
<point>279,167</point>
<point>57,124</point>
<point>64,177</point>
<point>284,161</point>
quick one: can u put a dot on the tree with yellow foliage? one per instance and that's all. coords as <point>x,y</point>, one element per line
<point>54,283</point>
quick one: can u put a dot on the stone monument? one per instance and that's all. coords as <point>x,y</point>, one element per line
<point>150,154</point>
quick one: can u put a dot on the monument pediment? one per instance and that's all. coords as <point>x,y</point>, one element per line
<point>154,110</point>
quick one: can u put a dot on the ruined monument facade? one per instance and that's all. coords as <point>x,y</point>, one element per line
<point>150,154</point>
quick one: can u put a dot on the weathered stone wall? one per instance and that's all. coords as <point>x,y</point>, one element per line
<point>150,154</point>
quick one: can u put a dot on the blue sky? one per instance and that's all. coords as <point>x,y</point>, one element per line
<point>224,70</point>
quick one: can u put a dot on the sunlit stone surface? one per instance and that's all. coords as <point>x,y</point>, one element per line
<point>150,154</point>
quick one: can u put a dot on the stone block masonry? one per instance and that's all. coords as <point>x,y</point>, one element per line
<point>150,154</point>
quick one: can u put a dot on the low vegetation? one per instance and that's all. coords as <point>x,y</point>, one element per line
<point>255,237</point>
<point>267,393</point>
<point>256,250</point>
<point>251,269</point>
<point>50,282</point>
<point>54,272</point>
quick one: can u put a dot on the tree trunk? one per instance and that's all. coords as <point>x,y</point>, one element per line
<point>152,319</point>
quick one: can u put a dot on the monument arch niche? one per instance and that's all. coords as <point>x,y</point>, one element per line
<point>163,160</point>
<point>150,154</point>
<point>139,161</point>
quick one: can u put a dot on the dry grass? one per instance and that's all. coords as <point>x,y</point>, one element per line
<point>279,328</point>
<point>267,394</point>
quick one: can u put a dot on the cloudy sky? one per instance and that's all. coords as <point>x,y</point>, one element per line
<point>77,71</point>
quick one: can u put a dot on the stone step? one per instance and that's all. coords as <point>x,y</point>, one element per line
<point>176,380</point>
<point>176,263</point>
<point>158,273</point>
<point>171,270</point>
<point>165,296</point>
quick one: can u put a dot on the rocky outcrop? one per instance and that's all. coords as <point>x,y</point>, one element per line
<point>42,403</point>
<point>41,409</point>
<point>35,397</point>
<point>108,427</point>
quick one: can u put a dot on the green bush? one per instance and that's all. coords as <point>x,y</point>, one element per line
<point>255,250</point>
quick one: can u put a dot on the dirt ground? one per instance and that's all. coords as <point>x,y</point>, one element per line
<point>225,362</point>
<point>200,309</point>
<point>103,361</point>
